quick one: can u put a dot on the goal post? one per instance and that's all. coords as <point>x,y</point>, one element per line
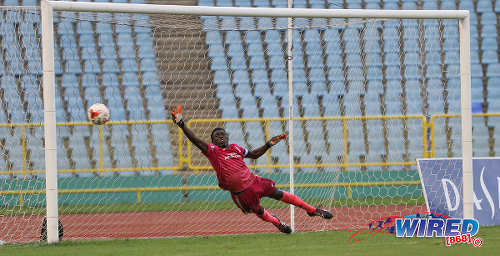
<point>346,124</point>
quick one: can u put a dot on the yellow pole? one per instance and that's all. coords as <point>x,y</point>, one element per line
<point>346,144</point>
<point>268,153</point>
<point>23,145</point>
<point>21,201</point>
<point>433,143</point>
<point>101,151</point>
<point>138,197</point>
<point>189,151</point>
<point>425,125</point>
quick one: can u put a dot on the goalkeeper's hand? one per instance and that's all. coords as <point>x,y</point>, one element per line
<point>274,140</point>
<point>177,116</point>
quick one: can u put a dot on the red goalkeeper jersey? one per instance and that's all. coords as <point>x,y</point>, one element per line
<point>232,172</point>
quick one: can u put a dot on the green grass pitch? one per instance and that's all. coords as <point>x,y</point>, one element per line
<point>315,243</point>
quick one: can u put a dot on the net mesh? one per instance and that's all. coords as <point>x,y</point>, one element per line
<point>366,98</point>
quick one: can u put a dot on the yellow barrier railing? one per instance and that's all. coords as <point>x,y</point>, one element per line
<point>21,193</point>
<point>187,159</point>
<point>344,119</point>
<point>101,169</point>
<point>433,121</point>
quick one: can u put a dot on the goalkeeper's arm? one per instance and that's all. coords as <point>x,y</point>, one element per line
<point>177,118</point>
<point>256,153</point>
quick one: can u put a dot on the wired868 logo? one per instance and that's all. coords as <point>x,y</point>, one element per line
<point>455,231</point>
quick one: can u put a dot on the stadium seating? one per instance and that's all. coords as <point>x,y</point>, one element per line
<point>95,63</point>
<point>309,68</point>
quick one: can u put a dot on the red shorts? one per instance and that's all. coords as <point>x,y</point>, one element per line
<point>249,200</point>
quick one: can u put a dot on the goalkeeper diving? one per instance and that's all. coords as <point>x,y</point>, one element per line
<point>234,175</point>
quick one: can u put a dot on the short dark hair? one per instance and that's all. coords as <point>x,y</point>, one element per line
<point>214,130</point>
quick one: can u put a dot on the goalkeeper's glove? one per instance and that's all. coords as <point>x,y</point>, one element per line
<point>177,116</point>
<point>274,140</point>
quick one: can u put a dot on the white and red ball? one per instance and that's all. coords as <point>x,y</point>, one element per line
<point>98,113</point>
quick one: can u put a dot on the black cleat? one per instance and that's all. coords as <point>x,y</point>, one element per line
<point>283,227</point>
<point>320,212</point>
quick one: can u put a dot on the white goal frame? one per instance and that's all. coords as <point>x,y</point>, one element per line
<point>47,8</point>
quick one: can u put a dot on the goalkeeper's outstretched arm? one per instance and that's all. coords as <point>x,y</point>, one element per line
<point>256,153</point>
<point>177,118</point>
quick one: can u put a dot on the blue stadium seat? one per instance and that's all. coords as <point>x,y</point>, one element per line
<point>489,43</point>
<point>227,23</point>
<point>84,27</point>
<point>73,66</point>
<point>89,80</point>
<point>315,61</point>
<point>126,52</point>
<point>106,40</point>
<point>476,71</point>
<point>317,75</point>
<point>88,53</point>
<point>221,77</point>
<point>124,39</point>
<point>70,54</point>
<point>252,37</point>
<point>109,79</point>
<point>331,35</point>
<point>274,49</point>
<point>242,3</point>
<point>489,31</point>
<point>148,64</point>
<point>240,77</point>
<point>146,52</point>
<point>129,65</point>
<point>130,79</point>
<point>92,94</point>
<point>484,6</point>
<point>108,52</point>
<point>489,57</point>
<point>238,62</point>
<point>259,76</point>
<point>255,49</point>
<point>91,66</point>
<point>233,37</point>
<point>272,36</point>
<point>493,70</point>
<point>299,76</point>
<point>334,60</point>
<point>213,37</point>
<point>235,50</point>
<point>276,62</point>
<point>264,23</point>
<point>257,62</point>
<point>110,65</point>
<point>279,76</point>
<point>314,48</point>
<point>219,63</point>
<point>312,35</point>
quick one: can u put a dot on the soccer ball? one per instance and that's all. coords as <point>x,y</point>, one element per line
<point>98,113</point>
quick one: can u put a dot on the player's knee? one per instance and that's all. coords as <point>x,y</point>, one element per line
<point>277,194</point>
<point>260,211</point>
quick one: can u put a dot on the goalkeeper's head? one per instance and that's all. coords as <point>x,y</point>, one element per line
<point>219,137</point>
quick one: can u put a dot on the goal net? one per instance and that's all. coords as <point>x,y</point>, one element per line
<point>369,97</point>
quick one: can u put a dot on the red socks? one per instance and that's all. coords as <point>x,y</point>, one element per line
<point>295,200</point>
<point>267,217</point>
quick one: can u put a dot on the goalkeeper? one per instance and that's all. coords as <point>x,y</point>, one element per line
<point>233,175</point>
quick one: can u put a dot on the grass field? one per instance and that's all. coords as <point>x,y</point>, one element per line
<point>316,243</point>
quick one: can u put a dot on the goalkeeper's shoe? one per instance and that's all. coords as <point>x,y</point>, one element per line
<point>320,212</point>
<point>283,227</point>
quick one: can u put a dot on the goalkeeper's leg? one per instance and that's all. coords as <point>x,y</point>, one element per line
<point>266,216</point>
<point>295,200</point>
